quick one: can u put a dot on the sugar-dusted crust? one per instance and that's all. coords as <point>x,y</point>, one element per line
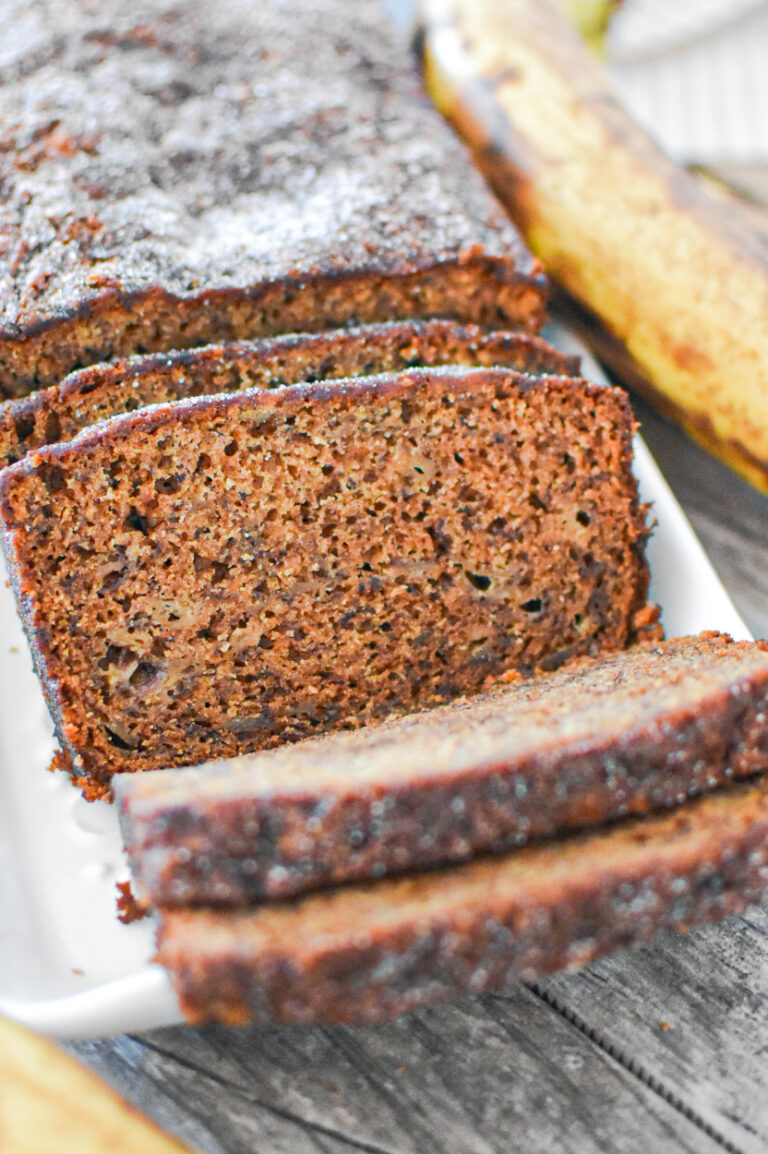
<point>61,411</point>
<point>367,953</point>
<point>185,174</point>
<point>602,738</point>
<point>227,573</point>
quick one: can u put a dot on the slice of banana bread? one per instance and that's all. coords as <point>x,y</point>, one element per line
<point>604,737</point>
<point>226,573</point>
<point>177,175</point>
<point>60,412</point>
<point>370,952</point>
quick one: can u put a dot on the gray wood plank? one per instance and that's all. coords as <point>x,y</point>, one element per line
<point>691,1011</point>
<point>490,1075</point>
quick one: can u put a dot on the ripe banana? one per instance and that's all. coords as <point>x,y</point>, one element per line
<point>671,280</point>
<point>591,17</point>
<point>49,1102</point>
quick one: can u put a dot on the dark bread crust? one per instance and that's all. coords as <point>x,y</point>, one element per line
<point>600,739</point>
<point>363,954</point>
<point>180,175</point>
<point>94,394</point>
<point>227,573</point>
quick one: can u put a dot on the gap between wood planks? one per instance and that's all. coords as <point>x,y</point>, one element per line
<point>633,1067</point>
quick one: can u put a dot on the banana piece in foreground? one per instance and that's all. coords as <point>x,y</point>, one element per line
<point>671,282</point>
<point>49,1102</point>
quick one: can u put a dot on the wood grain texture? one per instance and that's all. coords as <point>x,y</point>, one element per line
<point>458,1080</point>
<point>710,988</point>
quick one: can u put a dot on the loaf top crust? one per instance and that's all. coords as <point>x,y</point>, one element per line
<point>193,149</point>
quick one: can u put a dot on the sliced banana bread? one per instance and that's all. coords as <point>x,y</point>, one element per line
<point>604,737</point>
<point>223,574</point>
<point>370,952</point>
<point>60,412</point>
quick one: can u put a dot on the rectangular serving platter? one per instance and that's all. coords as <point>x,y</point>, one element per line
<point>68,967</point>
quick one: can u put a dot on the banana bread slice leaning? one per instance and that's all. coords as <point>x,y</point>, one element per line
<point>604,737</point>
<point>60,412</point>
<point>223,574</point>
<point>194,174</point>
<point>366,953</point>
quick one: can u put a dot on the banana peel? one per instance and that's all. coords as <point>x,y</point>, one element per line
<point>669,282</point>
<point>50,1103</point>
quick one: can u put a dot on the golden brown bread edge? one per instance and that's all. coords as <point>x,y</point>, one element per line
<point>227,573</point>
<point>101,391</point>
<point>672,282</point>
<point>622,734</point>
<point>364,954</point>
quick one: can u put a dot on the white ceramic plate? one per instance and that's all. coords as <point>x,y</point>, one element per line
<point>67,966</point>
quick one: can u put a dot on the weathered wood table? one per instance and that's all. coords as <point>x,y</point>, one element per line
<point>664,1048</point>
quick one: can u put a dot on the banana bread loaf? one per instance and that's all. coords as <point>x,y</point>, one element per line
<point>226,573</point>
<point>370,952</point>
<point>176,175</point>
<point>604,737</point>
<point>60,412</point>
